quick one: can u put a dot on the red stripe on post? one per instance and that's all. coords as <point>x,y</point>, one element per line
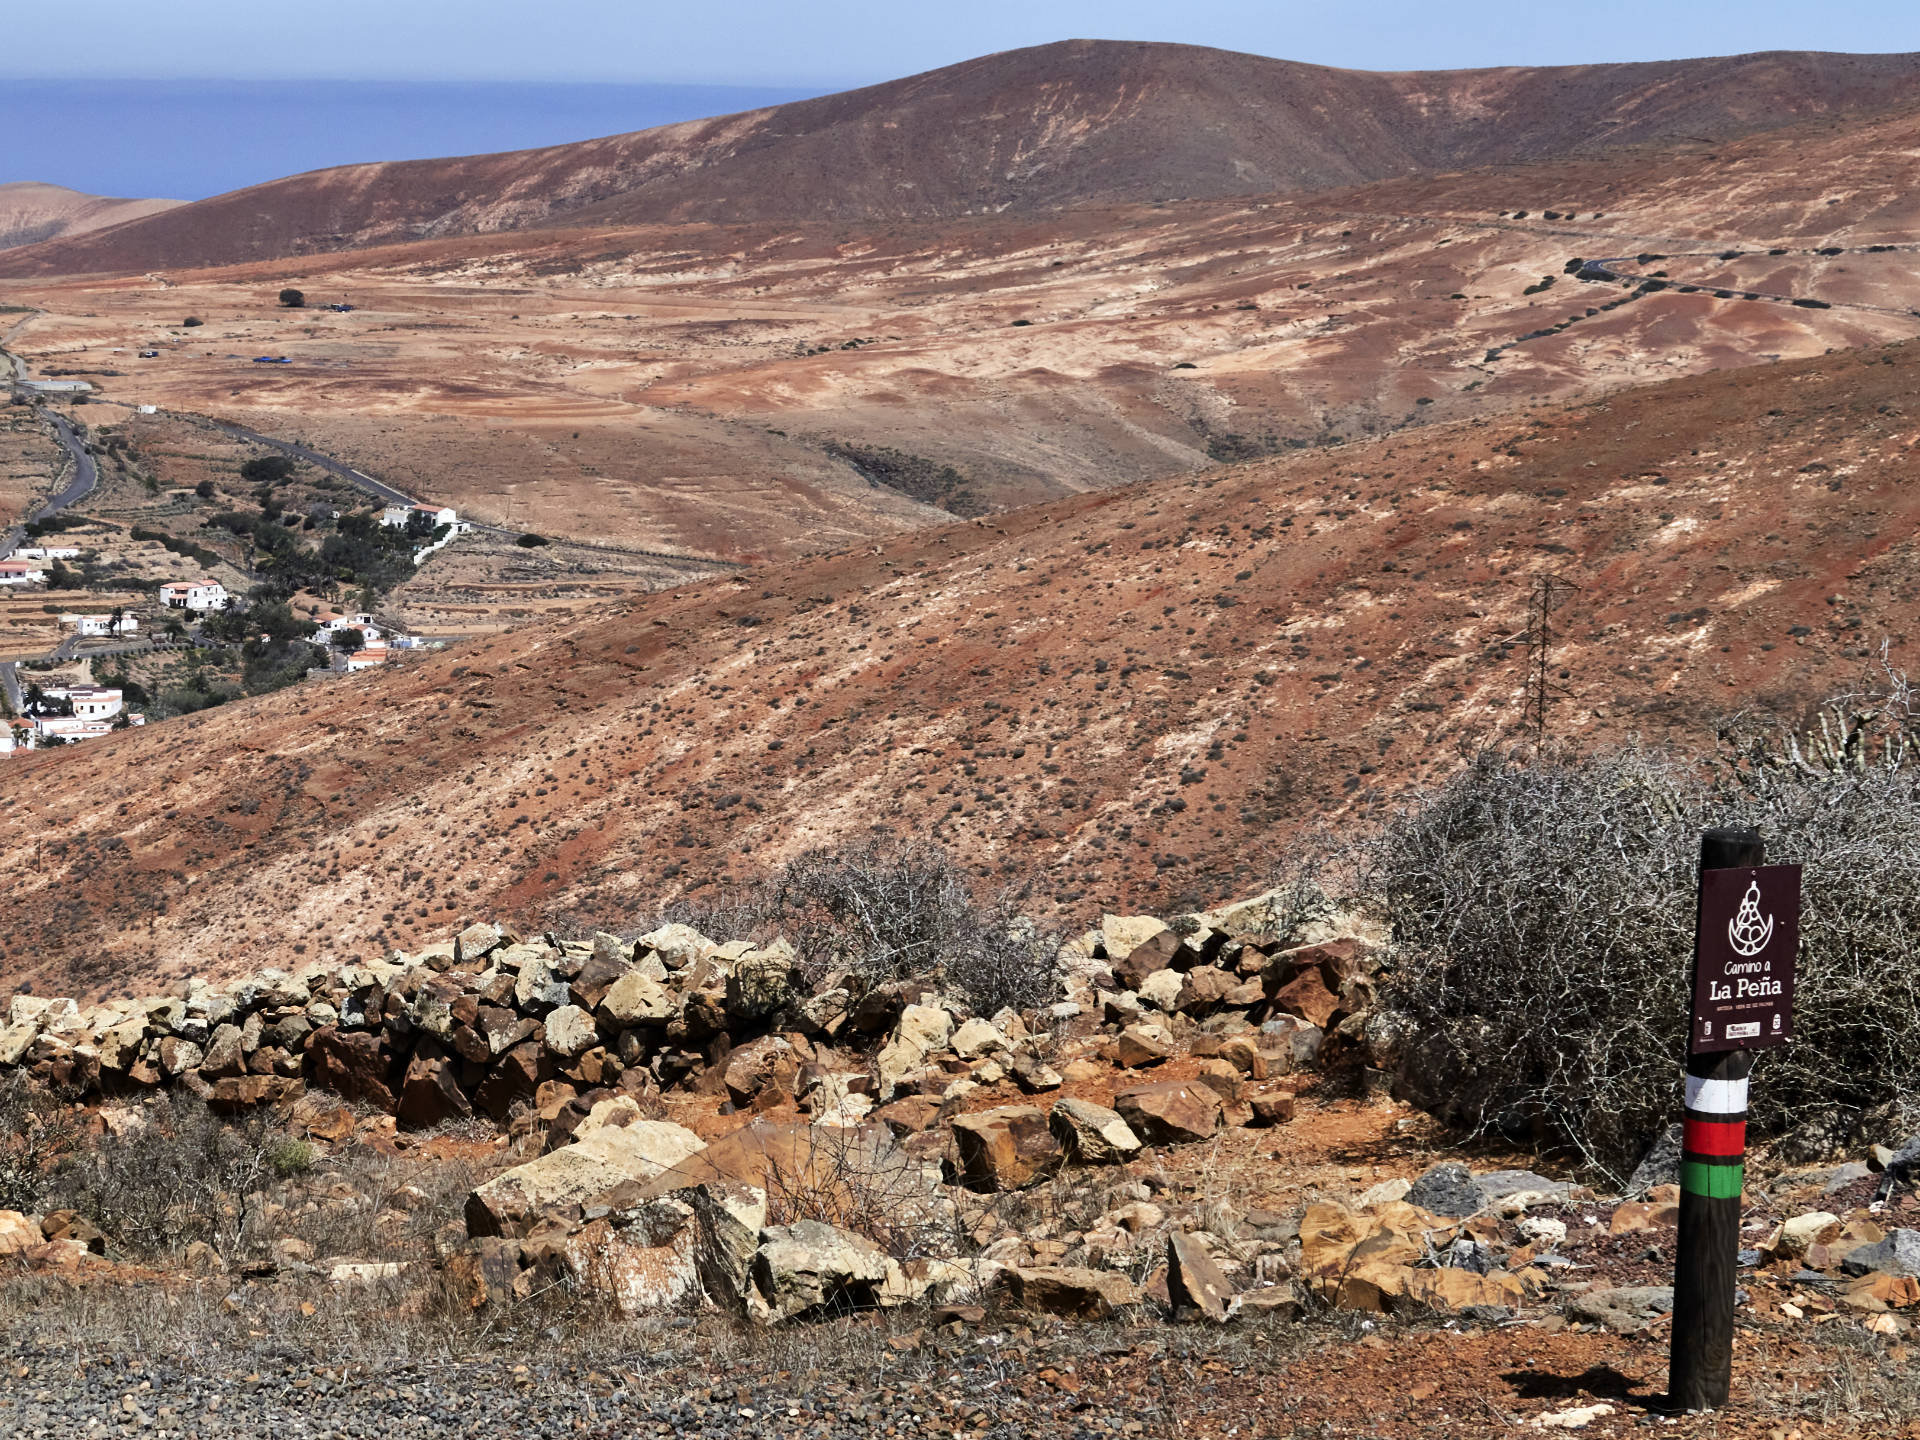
<point>1715,1137</point>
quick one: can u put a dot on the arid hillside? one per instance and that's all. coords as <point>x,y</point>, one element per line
<point>1080,122</point>
<point>762,391</point>
<point>1135,697</point>
<point>31,212</point>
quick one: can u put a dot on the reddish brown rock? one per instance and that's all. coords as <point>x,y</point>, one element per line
<point>1205,989</point>
<point>515,1076</point>
<point>1141,1045</point>
<point>354,1064</point>
<point>758,1064</point>
<point>909,1115</point>
<point>1194,1282</point>
<point>1007,1148</point>
<point>431,1092</point>
<point>1307,996</point>
<point>1070,1290</point>
<point>1170,1112</point>
<point>1272,1109</point>
<point>1156,952</point>
<point>234,1093</point>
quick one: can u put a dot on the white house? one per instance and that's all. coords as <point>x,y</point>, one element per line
<point>90,702</point>
<point>22,572</point>
<point>398,515</point>
<point>70,728</point>
<point>101,624</point>
<point>352,664</point>
<point>47,552</point>
<point>194,595</point>
<point>333,622</point>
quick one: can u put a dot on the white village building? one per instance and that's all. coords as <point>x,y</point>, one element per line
<point>102,624</point>
<point>194,595</point>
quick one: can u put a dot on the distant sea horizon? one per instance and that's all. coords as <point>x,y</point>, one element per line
<point>188,139</point>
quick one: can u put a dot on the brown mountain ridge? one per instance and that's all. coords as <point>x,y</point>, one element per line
<point>31,211</point>
<point>1078,122</point>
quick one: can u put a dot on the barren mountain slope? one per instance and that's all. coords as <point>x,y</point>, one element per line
<point>1135,696</point>
<point>1072,123</point>
<point>758,391</point>
<point>31,212</point>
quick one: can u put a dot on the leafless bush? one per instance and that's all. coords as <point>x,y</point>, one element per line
<point>852,1177</point>
<point>183,1175</point>
<point>36,1130</point>
<point>886,910</point>
<point>1543,919</point>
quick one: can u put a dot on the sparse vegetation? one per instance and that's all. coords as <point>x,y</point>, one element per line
<point>886,911</point>
<point>1543,916</point>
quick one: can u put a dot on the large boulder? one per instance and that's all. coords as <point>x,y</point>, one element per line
<point>808,1266</point>
<point>1070,1290</point>
<point>1092,1134</point>
<point>844,1172</point>
<point>431,1093</point>
<point>1170,1112</point>
<point>649,1261</point>
<point>922,1030</point>
<point>354,1064</point>
<point>636,998</point>
<point>1195,1283</point>
<point>758,1064</point>
<point>1007,1148</point>
<point>604,1153</point>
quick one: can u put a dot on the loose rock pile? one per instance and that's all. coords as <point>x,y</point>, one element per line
<point>865,1133</point>
<point>857,1148</point>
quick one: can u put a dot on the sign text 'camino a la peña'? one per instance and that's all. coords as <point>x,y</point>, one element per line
<point>1748,937</point>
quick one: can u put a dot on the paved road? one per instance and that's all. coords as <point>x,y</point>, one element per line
<point>10,682</point>
<point>86,474</point>
<point>383,491</point>
<point>378,488</point>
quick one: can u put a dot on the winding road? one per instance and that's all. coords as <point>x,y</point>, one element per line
<point>380,490</point>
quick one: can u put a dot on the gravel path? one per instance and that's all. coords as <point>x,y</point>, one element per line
<point>982,1384</point>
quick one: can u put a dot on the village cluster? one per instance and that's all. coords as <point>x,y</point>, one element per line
<point>69,713</point>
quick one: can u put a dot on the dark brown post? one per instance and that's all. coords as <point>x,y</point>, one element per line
<point>1712,1175</point>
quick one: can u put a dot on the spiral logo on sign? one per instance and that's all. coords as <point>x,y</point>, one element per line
<point>1747,932</point>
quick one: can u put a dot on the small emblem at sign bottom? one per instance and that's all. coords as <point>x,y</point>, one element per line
<point>1743,1032</point>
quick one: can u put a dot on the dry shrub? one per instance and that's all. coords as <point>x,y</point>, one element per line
<point>36,1131</point>
<point>1543,915</point>
<point>183,1175</point>
<point>886,910</point>
<point>855,1178</point>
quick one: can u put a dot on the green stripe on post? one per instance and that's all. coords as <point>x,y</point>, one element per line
<point>1714,1182</point>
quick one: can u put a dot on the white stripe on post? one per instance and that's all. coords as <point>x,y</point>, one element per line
<point>1716,1097</point>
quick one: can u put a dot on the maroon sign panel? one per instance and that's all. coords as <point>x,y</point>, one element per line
<point>1743,954</point>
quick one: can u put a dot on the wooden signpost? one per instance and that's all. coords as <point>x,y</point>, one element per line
<point>1746,938</point>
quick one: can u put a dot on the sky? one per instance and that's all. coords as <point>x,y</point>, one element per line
<point>187,98</point>
<point>823,43</point>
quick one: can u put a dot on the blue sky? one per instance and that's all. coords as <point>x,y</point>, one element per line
<point>828,43</point>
